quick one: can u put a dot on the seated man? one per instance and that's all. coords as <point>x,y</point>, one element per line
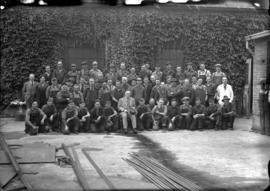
<point>97,122</point>
<point>160,115</point>
<point>173,115</point>
<point>185,113</point>
<point>49,110</point>
<point>111,117</point>
<point>35,120</point>
<point>70,120</point>
<point>198,113</point>
<point>84,117</point>
<point>127,107</point>
<point>212,115</point>
<point>144,117</point>
<point>227,113</point>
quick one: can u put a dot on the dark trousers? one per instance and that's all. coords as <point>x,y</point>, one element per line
<point>174,122</point>
<point>184,122</point>
<point>227,121</point>
<point>41,128</point>
<point>84,126</point>
<point>161,121</point>
<point>111,124</point>
<point>97,126</point>
<point>214,122</point>
<point>71,126</point>
<point>197,123</point>
<point>145,123</point>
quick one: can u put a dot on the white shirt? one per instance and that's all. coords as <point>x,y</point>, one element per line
<point>221,92</point>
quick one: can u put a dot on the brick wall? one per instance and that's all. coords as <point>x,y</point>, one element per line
<point>259,70</point>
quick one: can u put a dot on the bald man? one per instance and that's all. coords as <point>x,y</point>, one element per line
<point>29,90</point>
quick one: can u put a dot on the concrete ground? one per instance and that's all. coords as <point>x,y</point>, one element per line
<point>215,160</point>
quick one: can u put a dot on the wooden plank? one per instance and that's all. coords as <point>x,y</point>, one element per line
<point>15,164</point>
<point>7,172</point>
<point>26,155</point>
<point>101,174</point>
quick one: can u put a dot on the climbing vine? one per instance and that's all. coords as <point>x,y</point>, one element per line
<point>30,39</point>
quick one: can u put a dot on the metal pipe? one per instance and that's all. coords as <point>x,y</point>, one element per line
<point>99,171</point>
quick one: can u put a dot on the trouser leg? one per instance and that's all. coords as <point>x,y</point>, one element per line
<point>194,124</point>
<point>133,121</point>
<point>124,120</point>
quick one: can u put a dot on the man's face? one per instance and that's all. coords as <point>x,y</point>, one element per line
<point>71,104</point>
<point>42,79</point>
<point>108,104</point>
<point>202,66</point>
<point>76,88</point>
<point>198,102</point>
<point>47,68</point>
<point>133,82</point>
<point>122,66</point>
<point>97,105</point>
<point>157,68</point>
<point>224,80</point>
<point>124,80</point>
<point>160,102</point>
<point>189,67</point>
<point>145,80</point>
<point>194,79</point>
<point>208,79</point>
<point>186,102</point>
<point>152,78</point>
<point>157,82</point>
<point>226,101</point>
<point>109,82</point>
<point>95,65</point>
<point>31,77</point>
<point>218,69</point>
<point>35,104</point>
<point>200,81</point>
<point>118,84</point>
<point>60,65</point>
<point>186,82</point>
<point>127,94</point>
<point>169,67</point>
<point>50,102</point>
<point>82,105</point>
<point>178,69</point>
<point>174,103</point>
<point>132,70</point>
<point>141,102</point>
<point>139,81</point>
<point>104,85</point>
<point>152,101</point>
<point>91,81</point>
<point>211,103</point>
<point>73,67</point>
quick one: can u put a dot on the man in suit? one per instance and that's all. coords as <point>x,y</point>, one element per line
<point>60,72</point>
<point>127,108</point>
<point>90,94</point>
<point>29,90</point>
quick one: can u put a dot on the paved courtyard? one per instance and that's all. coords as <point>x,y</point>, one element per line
<point>229,160</point>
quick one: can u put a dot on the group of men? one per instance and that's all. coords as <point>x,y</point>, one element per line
<point>90,100</point>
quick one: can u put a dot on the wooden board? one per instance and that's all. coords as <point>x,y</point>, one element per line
<point>7,172</point>
<point>30,154</point>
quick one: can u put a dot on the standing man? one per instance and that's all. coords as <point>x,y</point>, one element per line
<point>125,85</point>
<point>48,74</point>
<point>189,72</point>
<point>73,74</point>
<point>112,74</point>
<point>90,94</point>
<point>85,73</point>
<point>158,74</point>
<point>60,72</point>
<point>200,91</point>
<point>29,90</point>
<point>224,89</point>
<point>117,93</point>
<point>132,75</point>
<point>49,110</point>
<point>127,107</point>
<point>218,75</point>
<point>179,75</point>
<point>138,91</point>
<point>148,88</point>
<point>95,72</point>
<point>203,73</point>
<point>188,91</point>
<point>122,72</point>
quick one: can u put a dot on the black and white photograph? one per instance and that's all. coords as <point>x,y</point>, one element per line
<point>135,95</point>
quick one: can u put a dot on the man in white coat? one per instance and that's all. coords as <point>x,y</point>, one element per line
<point>224,89</point>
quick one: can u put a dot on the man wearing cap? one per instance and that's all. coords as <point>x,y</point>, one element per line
<point>70,118</point>
<point>169,71</point>
<point>84,73</point>
<point>224,89</point>
<point>173,115</point>
<point>127,108</point>
<point>185,112</point>
<point>50,111</point>
<point>203,73</point>
<point>138,91</point>
<point>227,113</point>
<point>132,75</point>
<point>198,114</point>
<point>60,72</point>
<point>53,89</point>
<point>95,72</point>
<point>189,72</point>
<point>122,72</point>
<point>218,75</point>
<point>97,118</point>
<point>212,115</point>
<point>117,93</point>
<point>84,117</point>
<point>160,115</point>
<point>73,74</point>
<point>112,74</point>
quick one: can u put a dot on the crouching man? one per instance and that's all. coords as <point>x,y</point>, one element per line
<point>111,117</point>
<point>144,116</point>
<point>227,113</point>
<point>173,114</point>
<point>198,112</point>
<point>84,117</point>
<point>70,118</point>
<point>49,110</point>
<point>212,115</point>
<point>97,123</point>
<point>185,113</point>
<point>127,108</point>
<point>160,115</point>
<point>35,120</point>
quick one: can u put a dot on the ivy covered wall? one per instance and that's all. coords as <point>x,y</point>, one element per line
<point>29,38</point>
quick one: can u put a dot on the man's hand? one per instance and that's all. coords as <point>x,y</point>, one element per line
<point>51,118</point>
<point>195,116</point>
<point>141,116</point>
<point>42,121</point>
<point>83,119</point>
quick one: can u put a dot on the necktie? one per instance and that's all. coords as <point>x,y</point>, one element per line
<point>225,86</point>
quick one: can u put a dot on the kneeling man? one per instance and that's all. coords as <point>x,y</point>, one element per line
<point>70,118</point>
<point>227,113</point>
